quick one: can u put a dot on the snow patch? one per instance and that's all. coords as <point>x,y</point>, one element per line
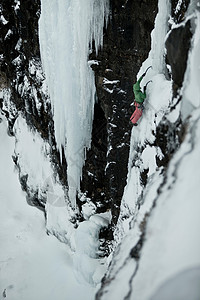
<point>33,264</point>
<point>88,267</point>
<point>8,34</point>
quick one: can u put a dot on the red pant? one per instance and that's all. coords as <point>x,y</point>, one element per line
<point>137,114</point>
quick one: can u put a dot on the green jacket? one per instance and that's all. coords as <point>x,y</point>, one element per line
<point>139,95</point>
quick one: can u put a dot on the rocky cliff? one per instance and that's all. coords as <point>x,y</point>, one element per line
<point>134,173</point>
<point>24,82</point>
<point>126,45</point>
<point>148,239</point>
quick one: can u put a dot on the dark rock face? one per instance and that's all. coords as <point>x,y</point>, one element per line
<point>168,137</point>
<point>126,45</point>
<point>22,22</point>
<point>178,10</point>
<point>19,50</point>
<point>178,45</point>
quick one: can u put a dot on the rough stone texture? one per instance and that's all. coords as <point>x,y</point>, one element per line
<point>178,45</point>
<point>168,137</point>
<point>178,10</point>
<point>23,25</point>
<point>126,45</point>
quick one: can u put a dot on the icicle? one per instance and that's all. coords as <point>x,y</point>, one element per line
<point>159,34</point>
<point>66,28</point>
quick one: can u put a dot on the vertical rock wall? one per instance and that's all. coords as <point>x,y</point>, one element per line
<point>169,136</point>
<point>22,75</point>
<point>127,43</point>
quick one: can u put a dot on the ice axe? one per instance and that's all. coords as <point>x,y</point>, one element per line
<point>145,87</point>
<point>146,71</point>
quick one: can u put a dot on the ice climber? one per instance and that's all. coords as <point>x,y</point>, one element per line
<point>139,99</point>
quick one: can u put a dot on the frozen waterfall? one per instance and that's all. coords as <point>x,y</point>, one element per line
<point>66,31</point>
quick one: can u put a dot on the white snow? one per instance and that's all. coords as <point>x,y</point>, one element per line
<point>66,29</point>
<point>168,267</point>
<point>8,34</point>
<point>109,82</point>
<point>156,104</point>
<point>191,85</point>
<point>33,265</point>
<point>19,44</point>
<point>106,81</point>
<point>173,246</point>
<point>88,209</point>
<point>157,53</point>
<point>177,287</point>
<point>178,6</point>
<point>2,19</point>
<point>110,91</point>
<point>32,154</point>
<point>149,152</point>
<point>93,62</point>
<point>76,256</point>
<point>87,265</point>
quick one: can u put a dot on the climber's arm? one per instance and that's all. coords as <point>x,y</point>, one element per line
<point>144,94</point>
<point>136,86</point>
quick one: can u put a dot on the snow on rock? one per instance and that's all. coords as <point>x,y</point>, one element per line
<point>173,245</point>
<point>88,267</point>
<point>32,156</point>
<point>143,136</point>
<point>2,18</point>
<point>59,216</point>
<point>191,87</point>
<point>88,209</point>
<point>157,53</point>
<point>66,29</point>
<point>157,245</point>
<point>17,5</point>
<point>8,34</point>
<point>30,150</point>
<point>33,265</point>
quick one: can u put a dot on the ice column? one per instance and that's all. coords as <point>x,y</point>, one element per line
<point>66,29</point>
<point>158,37</point>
